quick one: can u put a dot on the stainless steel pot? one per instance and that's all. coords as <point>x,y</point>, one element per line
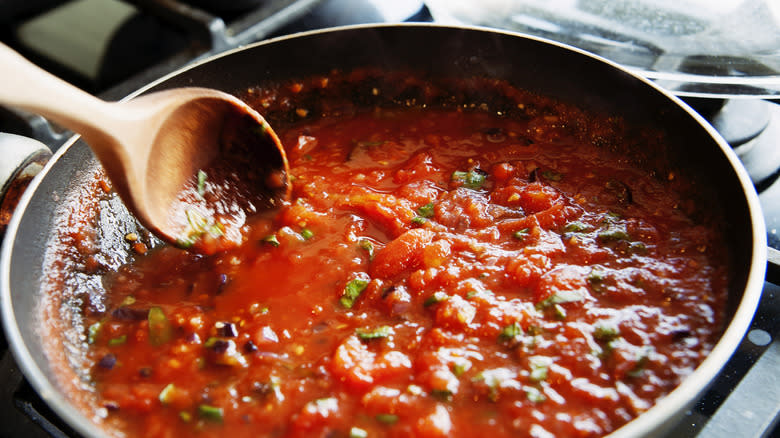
<point>537,65</point>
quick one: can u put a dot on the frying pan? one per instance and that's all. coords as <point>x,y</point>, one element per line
<point>537,65</point>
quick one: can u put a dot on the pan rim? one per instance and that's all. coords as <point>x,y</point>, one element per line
<point>664,409</point>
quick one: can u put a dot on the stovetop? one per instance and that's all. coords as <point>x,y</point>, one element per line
<point>744,399</point>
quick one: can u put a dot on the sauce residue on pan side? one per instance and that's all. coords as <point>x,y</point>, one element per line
<point>438,272</point>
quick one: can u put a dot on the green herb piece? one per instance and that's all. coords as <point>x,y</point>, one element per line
<point>641,362</point>
<point>605,332</point>
<point>117,341</point>
<point>511,331</point>
<point>613,232</point>
<point>539,374</point>
<point>185,416</point>
<point>197,222</point>
<point>257,309</point>
<point>272,240</point>
<point>460,367</point>
<point>442,394</point>
<point>520,234</point>
<point>562,297</point>
<point>357,432</point>
<point>637,248</point>
<point>370,144</point>
<point>93,331</point>
<point>387,418</point>
<point>197,227</point>
<point>534,330</point>
<point>201,183</point>
<point>471,294</point>
<point>495,379</point>
<point>534,395</point>
<point>167,394</point>
<point>352,291</point>
<point>552,175</point>
<point>367,246</point>
<point>596,279</point>
<point>426,210</point>
<point>539,367</point>
<point>417,220</point>
<point>436,298</point>
<point>185,242</point>
<point>377,333</point>
<point>260,129</point>
<point>307,234</point>
<point>473,179</point>
<point>575,227</point>
<point>160,329</point>
<point>217,229</point>
<point>211,413</point>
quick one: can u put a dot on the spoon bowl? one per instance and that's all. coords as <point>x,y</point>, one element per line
<point>191,164</point>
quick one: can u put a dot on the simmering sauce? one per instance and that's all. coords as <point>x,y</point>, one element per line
<point>438,272</point>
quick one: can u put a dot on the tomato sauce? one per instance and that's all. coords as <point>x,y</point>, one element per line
<point>438,272</point>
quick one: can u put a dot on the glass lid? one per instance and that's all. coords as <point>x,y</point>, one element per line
<point>707,48</point>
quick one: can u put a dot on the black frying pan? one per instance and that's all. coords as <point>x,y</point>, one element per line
<point>537,65</point>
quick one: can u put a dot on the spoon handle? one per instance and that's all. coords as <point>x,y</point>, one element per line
<point>26,86</point>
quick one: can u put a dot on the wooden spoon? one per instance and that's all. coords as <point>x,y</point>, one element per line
<point>191,164</point>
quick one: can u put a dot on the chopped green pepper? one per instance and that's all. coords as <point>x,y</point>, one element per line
<point>201,183</point>
<point>534,395</point>
<point>437,297</point>
<point>561,297</point>
<point>539,367</point>
<point>473,179</point>
<point>441,394</point>
<point>93,331</point>
<point>552,175</point>
<point>198,226</point>
<point>272,240</point>
<point>387,418</point>
<point>352,291</point>
<point>426,210</point>
<point>641,362</point>
<point>575,227</point>
<point>596,278</point>
<point>160,329</point>
<point>367,246</point>
<point>520,234</point>
<point>377,333</point>
<point>211,413</point>
<point>460,367</point>
<point>605,331</point>
<point>613,232</point>
<point>511,331</point>
<point>167,394</point>
<point>417,220</point>
<point>307,234</point>
<point>117,341</point>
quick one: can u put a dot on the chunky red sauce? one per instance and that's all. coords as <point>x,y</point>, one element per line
<point>438,272</point>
